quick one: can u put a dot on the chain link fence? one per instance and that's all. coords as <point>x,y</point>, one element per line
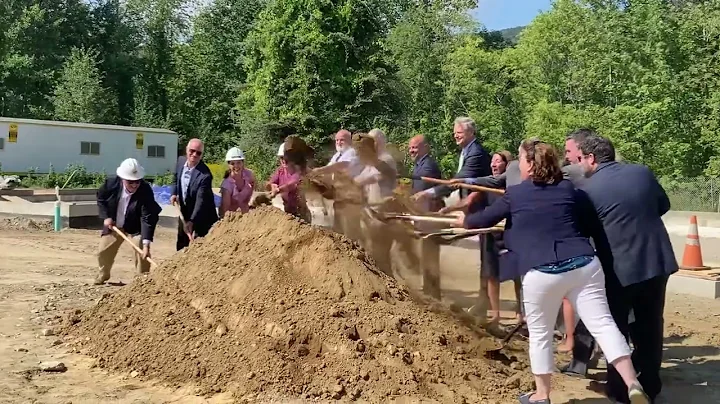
<point>693,194</point>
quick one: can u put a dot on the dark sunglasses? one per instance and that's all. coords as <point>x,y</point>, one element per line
<point>197,152</point>
<point>133,182</point>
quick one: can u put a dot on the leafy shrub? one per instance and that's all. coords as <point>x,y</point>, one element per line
<point>165,179</point>
<point>75,176</point>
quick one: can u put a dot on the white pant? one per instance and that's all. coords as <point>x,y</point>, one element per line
<point>585,288</point>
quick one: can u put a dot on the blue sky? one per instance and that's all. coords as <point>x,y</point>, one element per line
<point>499,14</point>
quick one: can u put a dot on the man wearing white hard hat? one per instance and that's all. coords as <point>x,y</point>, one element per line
<point>238,184</point>
<point>126,202</point>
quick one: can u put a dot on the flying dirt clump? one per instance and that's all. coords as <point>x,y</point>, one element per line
<point>268,307</point>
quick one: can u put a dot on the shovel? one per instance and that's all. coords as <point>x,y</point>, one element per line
<point>182,220</point>
<point>463,185</point>
<point>417,218</point>
<point>135,247</point>
<point>459,233</point>
<point>495,353</point>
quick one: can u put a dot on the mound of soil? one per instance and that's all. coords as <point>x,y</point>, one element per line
<point>23,223</point>
<point>269,307</point>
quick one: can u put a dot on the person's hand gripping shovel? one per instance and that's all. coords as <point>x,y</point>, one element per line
<point>187,226</point>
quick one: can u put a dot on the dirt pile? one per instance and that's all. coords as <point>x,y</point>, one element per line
<point>271,308</point>
<point>23,223</point>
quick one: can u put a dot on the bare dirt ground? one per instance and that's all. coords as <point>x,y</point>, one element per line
<point>43,275</point>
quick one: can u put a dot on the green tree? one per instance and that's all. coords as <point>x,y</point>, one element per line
<point>79,95</point>
<point>315,66</point>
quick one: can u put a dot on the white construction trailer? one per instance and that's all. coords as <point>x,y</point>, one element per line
<point>33,145</point>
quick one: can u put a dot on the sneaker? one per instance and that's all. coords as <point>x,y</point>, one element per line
<point>637,395</point>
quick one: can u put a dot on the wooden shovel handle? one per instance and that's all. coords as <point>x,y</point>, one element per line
<point>182,220</point>
<point>462,185</point>
<point>481,189</point>
<point>435,180</point>
<point>135,247</point>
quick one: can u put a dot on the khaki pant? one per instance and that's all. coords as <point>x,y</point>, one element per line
<point>390,246</point>
<point>346,220</point>
<point>109,247</point>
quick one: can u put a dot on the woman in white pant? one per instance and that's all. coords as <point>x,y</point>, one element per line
<point>548,220</point>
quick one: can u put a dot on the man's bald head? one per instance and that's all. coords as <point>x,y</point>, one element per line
<point>343,140</point>
<point>418,147</point>
<point>194,151</point>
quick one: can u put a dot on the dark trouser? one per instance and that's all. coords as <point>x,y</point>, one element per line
<point>582,350</point>
<point>182,238</point>
<point>647,301</point>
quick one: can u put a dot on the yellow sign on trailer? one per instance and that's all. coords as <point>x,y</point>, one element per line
<point>12,133</point>
<point>139,141</point>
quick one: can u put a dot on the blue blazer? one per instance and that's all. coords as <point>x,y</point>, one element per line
<point>425,166</point>
<point>476,164</point>
<point>548,224</point>
<point>198,206</point>
<point>633,244</point>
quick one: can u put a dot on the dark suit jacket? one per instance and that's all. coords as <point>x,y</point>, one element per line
<point>142,213</point>
<point>425,166</point>
<point>548,224</point>
<point>476,164</point>
<point>633,244</point>
<point>198,206</point>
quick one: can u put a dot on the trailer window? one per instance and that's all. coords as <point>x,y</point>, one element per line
<point>156,151</point>
<point>2,143</point>
<point>91,148</point>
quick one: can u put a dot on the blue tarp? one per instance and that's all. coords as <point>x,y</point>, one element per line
<point>162,195</point>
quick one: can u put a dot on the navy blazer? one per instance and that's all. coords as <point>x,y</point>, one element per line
<point>198,206</point>
<point>476,164</point>
<point>633,243</point>
<point>142,213</point>
<point>548,224</point>
<point>425,166</point>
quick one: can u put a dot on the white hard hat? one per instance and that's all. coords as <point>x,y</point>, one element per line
<point>281,150</point>
<point>234,154</point>
<point>130,170</point>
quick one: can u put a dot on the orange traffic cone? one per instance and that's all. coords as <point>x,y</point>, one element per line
<point>692,256</point>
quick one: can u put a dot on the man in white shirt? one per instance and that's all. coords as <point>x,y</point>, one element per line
<point>344,162</point>
<point>126,202</point>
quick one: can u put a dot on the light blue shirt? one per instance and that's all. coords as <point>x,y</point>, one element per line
<point>185,179</point>
<point>463,153</point>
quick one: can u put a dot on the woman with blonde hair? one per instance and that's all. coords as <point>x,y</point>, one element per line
<point>551,221</point>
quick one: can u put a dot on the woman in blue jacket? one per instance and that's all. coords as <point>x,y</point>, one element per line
<point>548,238</point>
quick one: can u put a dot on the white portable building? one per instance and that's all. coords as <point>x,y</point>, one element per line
<point>34,145</point>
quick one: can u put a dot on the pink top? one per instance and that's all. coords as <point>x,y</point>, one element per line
<point>240,191</point>
<point>291,194</point>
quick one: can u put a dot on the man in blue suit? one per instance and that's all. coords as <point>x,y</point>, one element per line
<point>425,166</point>
<point>192,190</point>
<point>637,256</point>
<point>474,160</point>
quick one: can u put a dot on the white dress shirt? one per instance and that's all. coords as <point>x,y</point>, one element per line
<point>123,203</point>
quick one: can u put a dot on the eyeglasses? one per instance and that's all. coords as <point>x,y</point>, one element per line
<point>132,182</point>
<point>196,152</point>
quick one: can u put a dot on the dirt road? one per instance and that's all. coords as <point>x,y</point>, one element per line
<point>43,275</point>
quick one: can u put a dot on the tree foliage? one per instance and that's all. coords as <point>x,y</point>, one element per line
<point>248,73</point>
